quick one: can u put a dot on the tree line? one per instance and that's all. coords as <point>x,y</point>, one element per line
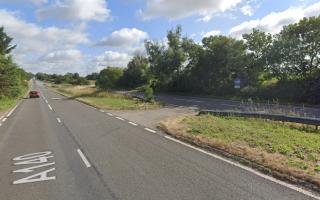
<point>281,66</point>
<point>68,78</point>
<point>13,79</point>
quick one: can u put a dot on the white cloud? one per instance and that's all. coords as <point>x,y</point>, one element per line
<point>37,2</point>
<point>274,21</point>
<point>83,10</point>
<point>35,42</point>
<point>112,58</point>
<point>247,10</point>
<point>211,33</point>
<point>177,9</point>
<point>59,56</point>
<point>124,37</point>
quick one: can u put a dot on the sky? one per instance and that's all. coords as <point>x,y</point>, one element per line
<point>84,36</point>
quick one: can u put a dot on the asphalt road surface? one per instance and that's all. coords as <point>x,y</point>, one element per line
<point>231,105</point>
<point>57,148</point>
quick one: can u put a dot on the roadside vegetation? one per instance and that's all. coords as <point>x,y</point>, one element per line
<point>104,99</point>
<point>14,81</point>
<point>289,148</point>
<point>283,67</point>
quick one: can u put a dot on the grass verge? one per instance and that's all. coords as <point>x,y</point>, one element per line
<point>287,150</point>
<point>103,99</point>
<point>6,103</point>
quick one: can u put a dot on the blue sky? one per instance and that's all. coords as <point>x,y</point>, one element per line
<point>59,36</point>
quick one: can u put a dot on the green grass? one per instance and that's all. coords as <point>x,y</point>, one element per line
<point>6,103</point>
<point>289,148</point>
<point>117,103</point>
<point>103,99</point>
<point>292,140</point>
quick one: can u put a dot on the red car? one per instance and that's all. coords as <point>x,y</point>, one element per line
<point>34,94</point>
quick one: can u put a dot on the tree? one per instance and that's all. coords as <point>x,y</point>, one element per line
<point>259,45</point>
<point>137,72</point>
<point>296,50</point>
<point>109,78</point>
<point>93,76</point>
<point>223,59</point>
<point>166,62</point>
<point>5,40</point>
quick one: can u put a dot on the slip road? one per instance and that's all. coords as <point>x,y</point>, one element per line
<point>57,148</point>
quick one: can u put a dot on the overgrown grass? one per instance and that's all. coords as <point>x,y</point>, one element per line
<point>6,103</point>
<point>103,99</point>
<point>293,149</point>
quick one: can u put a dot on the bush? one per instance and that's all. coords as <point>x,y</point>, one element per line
<point>148,94</point>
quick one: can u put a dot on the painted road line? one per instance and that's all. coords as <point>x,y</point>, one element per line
<point>49,107</point>
<point>59,120</point>
<point>102,111</point>
<point>0,124</point>
<point>46,101</point>
<point>4,119</point>
<point>120,118</point>
<point>293,187</point>
<point>84,159</point>
<point>110,114</point>
<point>133,124</point>
<point>13,109</point>
<point>150,130</point>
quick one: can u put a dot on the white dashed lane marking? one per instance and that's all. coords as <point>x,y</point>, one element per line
<point>150,130</point>
<point>59,120</point>
<point>4,119</point>
<point>110,114</point>
<point>84,159</point>
<point>49,107</point>
<point>134,124</point>
<point>120,118</point>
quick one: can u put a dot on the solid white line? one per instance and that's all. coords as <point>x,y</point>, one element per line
<point>13,109</point>
<point>150,130</point>
<point>293,187</point>
<point>84,159</point>
<point>49,107</point>
<point>59,120</point>
<point>133,124</point>
<point>4,119</point>
<point>120,118</point>
<point>110,114</point>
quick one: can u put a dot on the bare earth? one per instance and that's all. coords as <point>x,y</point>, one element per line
<point>151,118</point>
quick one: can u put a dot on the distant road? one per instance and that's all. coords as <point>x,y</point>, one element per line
<point>217,104</point>
<point>54,148</point>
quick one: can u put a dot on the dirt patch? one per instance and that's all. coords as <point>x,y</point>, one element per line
<point>274,164</point>
<point>151,118</point>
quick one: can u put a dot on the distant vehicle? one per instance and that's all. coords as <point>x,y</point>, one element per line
<point>34,94</point>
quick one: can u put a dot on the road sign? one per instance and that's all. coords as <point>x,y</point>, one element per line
<point>237,83</point>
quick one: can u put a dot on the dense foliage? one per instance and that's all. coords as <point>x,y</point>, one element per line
<point>13,79</point>
<point>109,78</point>
<point>68,78</point>
<point>283,66</point>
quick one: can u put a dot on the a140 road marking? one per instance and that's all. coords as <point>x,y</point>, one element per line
<point>34,163</point>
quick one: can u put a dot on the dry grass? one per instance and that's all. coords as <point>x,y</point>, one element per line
<point>291,165</point>
<point>104,99</point>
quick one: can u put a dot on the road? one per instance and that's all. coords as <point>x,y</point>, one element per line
<point>231,105</point>
<point>56,148</point>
